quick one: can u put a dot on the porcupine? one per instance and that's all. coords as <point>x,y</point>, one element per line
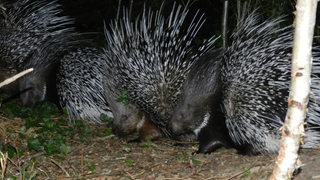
<point>198,110</point>
<point>149,59</point>
<point>255,78</point>
<point>255,105</point>
<point>34,34</point>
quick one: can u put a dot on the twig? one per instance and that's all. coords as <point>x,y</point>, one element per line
<point>57,164</point>
<point>15,77</point>
<point>41,170</point>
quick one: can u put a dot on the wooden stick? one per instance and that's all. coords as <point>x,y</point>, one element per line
<point>15,77</point>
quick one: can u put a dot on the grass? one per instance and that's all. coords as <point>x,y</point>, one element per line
<point>43,130</point>
<point>3,163</point>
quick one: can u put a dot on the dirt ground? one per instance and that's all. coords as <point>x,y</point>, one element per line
<point>109,157</point>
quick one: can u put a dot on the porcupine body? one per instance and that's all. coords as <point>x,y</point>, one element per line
<point>256,81</point>
<point>255,78</point>
<point>79,84</point>
<point>149,59</point>
<point>34,34</point>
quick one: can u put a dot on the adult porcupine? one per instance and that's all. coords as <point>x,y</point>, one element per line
<point>149,59</point>
<point>199,110</point>
<point>34,34</point>
<point>79,84</point>
<point>255,85</point>
<point>255,92</point>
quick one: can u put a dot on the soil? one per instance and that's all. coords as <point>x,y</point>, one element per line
<point>110,157</point>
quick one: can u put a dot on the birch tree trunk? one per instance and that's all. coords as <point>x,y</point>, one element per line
<point>293,128</point>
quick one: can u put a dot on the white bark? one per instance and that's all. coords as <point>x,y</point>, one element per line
<point>15,77</point>
<point>293,129</point>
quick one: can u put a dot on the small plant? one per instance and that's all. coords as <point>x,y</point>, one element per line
<point>195,162</point>
<point>108,131</point>
<point>35,144</point>
<point>11,150</point>
<point>93,168</point>
<point>53,145</point>
<point>127,149</point>
<point>246,173</point>
<point>27,171</point>
<point>182,157</point>
<point>129,162</point>
<point>123,97</point>
<point>147,143</point>
<point>65,149</point>
<point>189,153</point>
<point>106,118</point>
<point>15,109</point>
<point>188,156</point>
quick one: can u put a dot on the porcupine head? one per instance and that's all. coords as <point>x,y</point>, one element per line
<point>199,110</point>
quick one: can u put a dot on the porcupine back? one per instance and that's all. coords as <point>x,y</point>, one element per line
<point>80,86</point>
<point>151,57</point>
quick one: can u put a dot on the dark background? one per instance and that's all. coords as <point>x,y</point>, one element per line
<point>90,14</point>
